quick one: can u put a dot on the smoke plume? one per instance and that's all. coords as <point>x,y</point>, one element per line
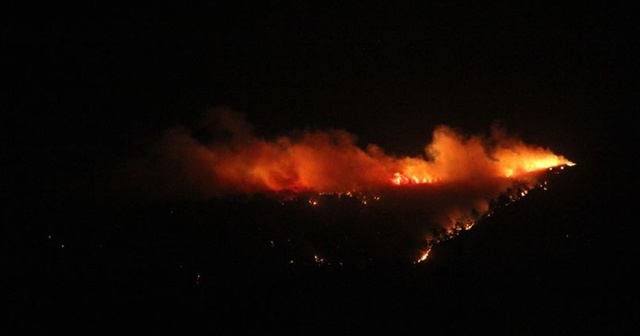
<point>456,177</point>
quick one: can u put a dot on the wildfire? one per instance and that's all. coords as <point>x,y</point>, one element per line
<point>457,175</point>
<point>331,161</point>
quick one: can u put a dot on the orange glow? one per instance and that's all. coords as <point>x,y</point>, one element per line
<point>454,180</point>
<point>332,162</point>
<point>424,256</point>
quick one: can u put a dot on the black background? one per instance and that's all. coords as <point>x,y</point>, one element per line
<point>88,85</point>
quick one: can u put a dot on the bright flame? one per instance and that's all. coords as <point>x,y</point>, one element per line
<point>456,179</point>
<point>424,256</point>
<point>331,162</point>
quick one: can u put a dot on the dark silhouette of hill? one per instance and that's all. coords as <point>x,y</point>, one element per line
<point>556,261</point>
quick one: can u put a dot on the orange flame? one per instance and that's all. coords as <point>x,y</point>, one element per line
<point>331,161</point>
<point>459,175</point>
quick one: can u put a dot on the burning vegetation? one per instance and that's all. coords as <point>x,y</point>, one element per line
<point>447,189</point>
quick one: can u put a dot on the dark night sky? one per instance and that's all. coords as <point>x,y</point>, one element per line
<point>86,82</point>
<point>88,85</point>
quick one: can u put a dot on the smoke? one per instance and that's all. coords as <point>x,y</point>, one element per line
<point>457,176</point>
